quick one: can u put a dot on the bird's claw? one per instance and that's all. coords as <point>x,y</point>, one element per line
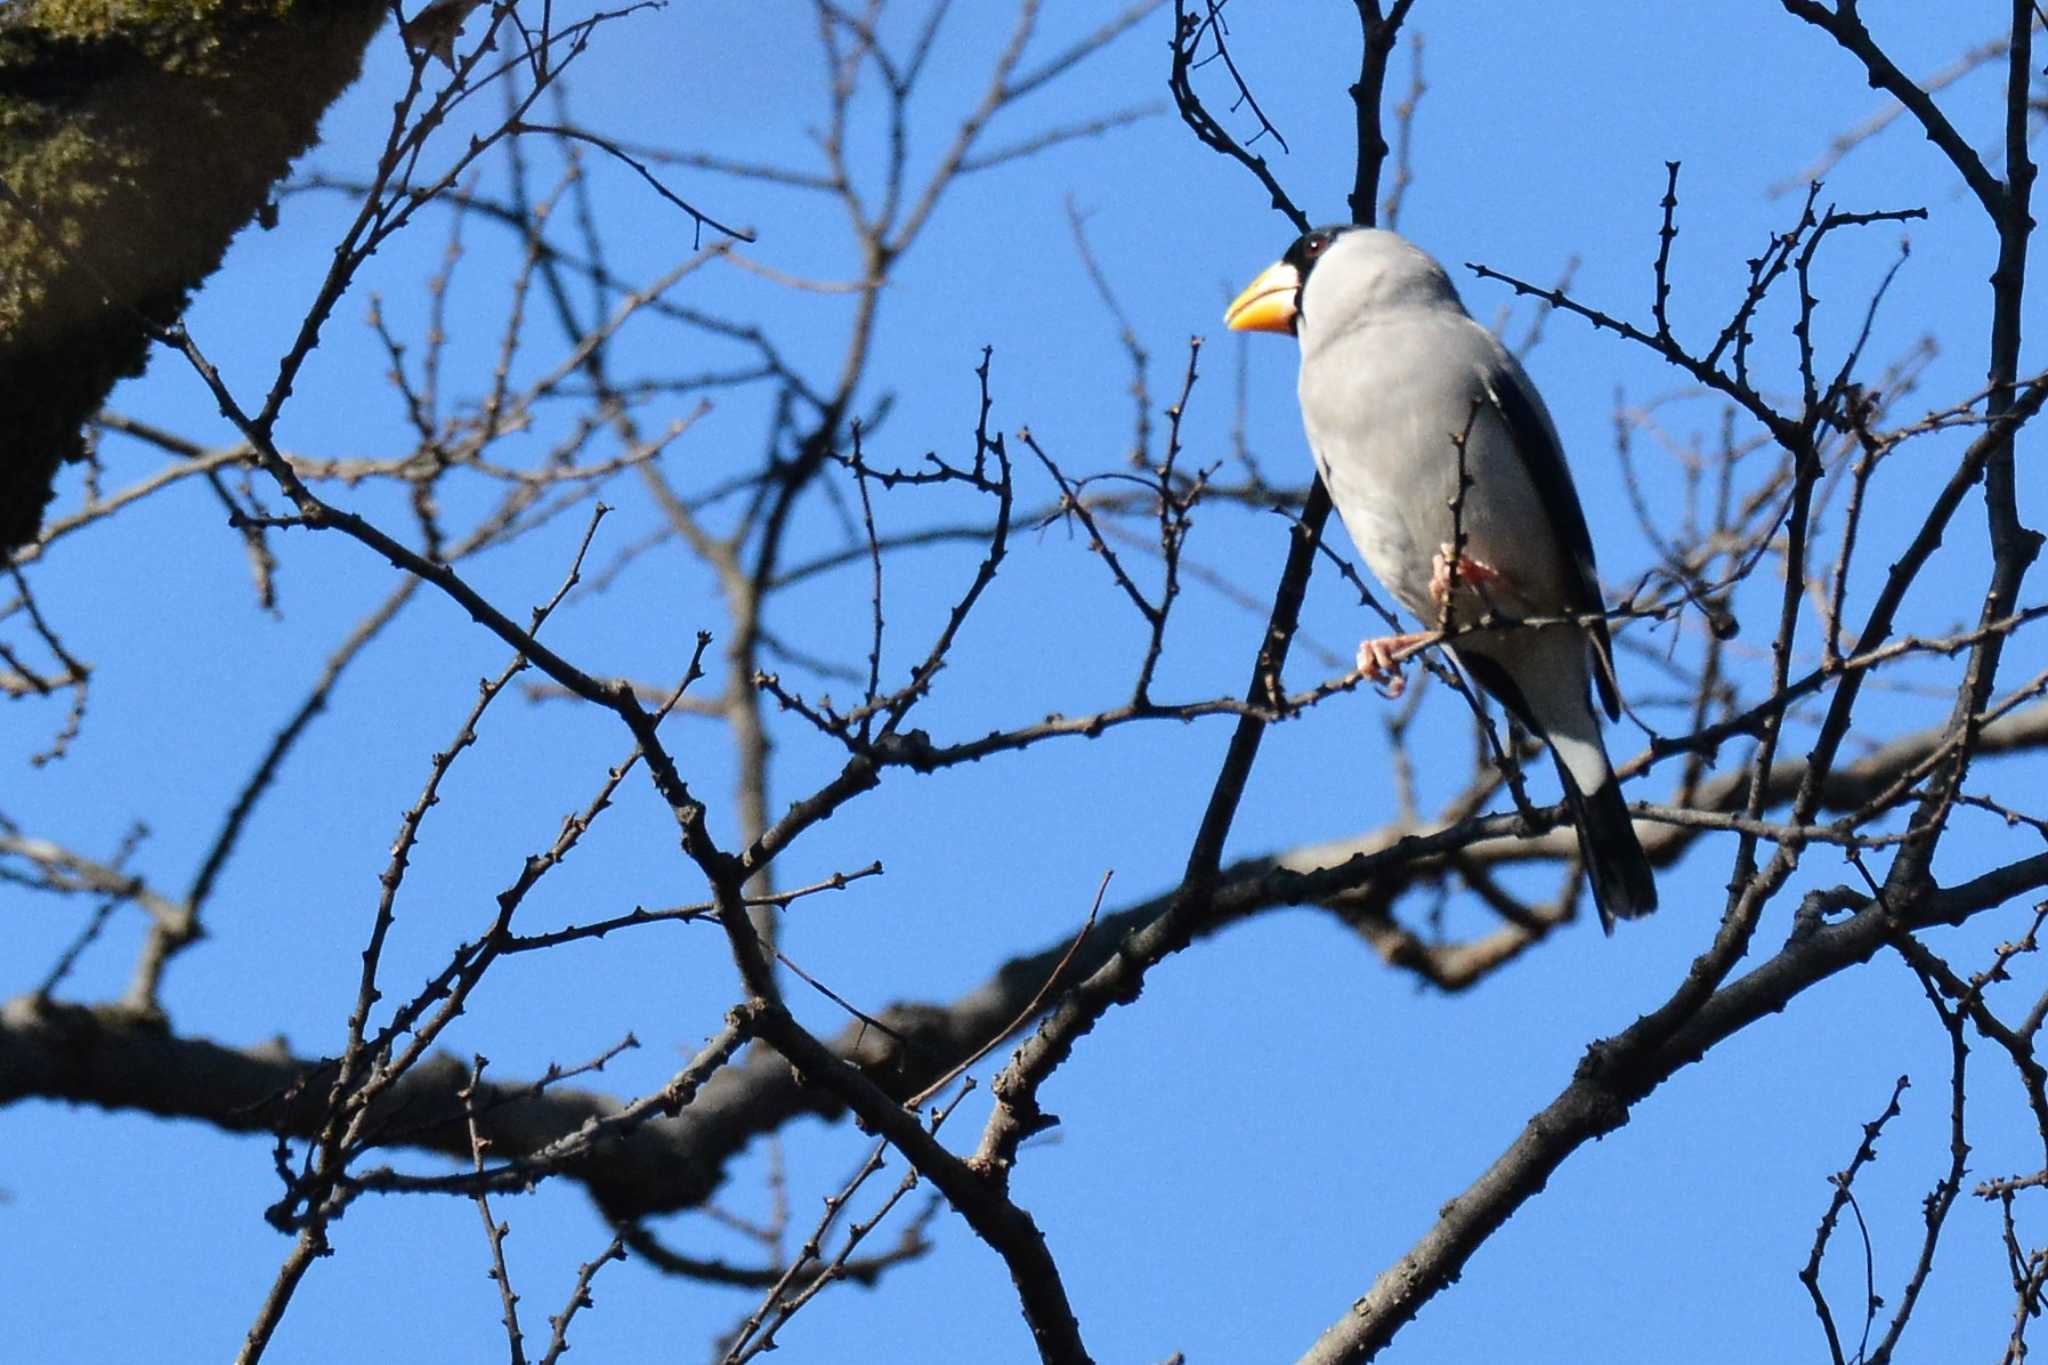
<point>1380,660</point>
<point>1471,573</point>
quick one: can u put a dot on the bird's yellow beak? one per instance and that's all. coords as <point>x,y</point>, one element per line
<point>1267,303</point>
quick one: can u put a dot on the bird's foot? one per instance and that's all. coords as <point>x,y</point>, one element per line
<point>1471,573</point>
<point>1380,660</point>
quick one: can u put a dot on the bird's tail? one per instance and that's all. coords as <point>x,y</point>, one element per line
<point>1623,886</point>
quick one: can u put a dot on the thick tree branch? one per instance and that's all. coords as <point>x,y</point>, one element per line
<point>130,159</point>
<point>117,1060</point>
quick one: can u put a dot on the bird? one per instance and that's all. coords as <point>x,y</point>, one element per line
<point>1445,466</point>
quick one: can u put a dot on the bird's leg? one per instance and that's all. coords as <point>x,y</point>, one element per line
<point>1380,660</point>
<point>1471,573</point>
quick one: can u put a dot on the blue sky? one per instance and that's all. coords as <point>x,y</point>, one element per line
<point>1280,1115</point>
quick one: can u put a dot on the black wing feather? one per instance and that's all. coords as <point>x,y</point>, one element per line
<point>1530,428</point>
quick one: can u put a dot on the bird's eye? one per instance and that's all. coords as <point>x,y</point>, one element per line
<point>1313,247</point>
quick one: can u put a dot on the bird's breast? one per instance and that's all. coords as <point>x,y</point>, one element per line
<point>1396,415</point>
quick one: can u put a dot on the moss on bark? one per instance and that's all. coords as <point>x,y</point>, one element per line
<point>138,136</point>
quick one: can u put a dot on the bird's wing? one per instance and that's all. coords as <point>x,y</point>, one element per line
<point>1535,439</point>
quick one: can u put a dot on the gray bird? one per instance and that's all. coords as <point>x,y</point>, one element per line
<point>1401,391</point>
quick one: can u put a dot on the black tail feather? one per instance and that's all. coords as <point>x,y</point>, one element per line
<point>1623,885</point>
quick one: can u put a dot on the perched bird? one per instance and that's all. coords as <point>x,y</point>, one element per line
<point>1405,398</point>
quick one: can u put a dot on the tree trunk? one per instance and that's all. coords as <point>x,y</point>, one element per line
<point>136,138</point>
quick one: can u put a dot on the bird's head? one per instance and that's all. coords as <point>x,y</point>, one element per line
<point>1333,277</point>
